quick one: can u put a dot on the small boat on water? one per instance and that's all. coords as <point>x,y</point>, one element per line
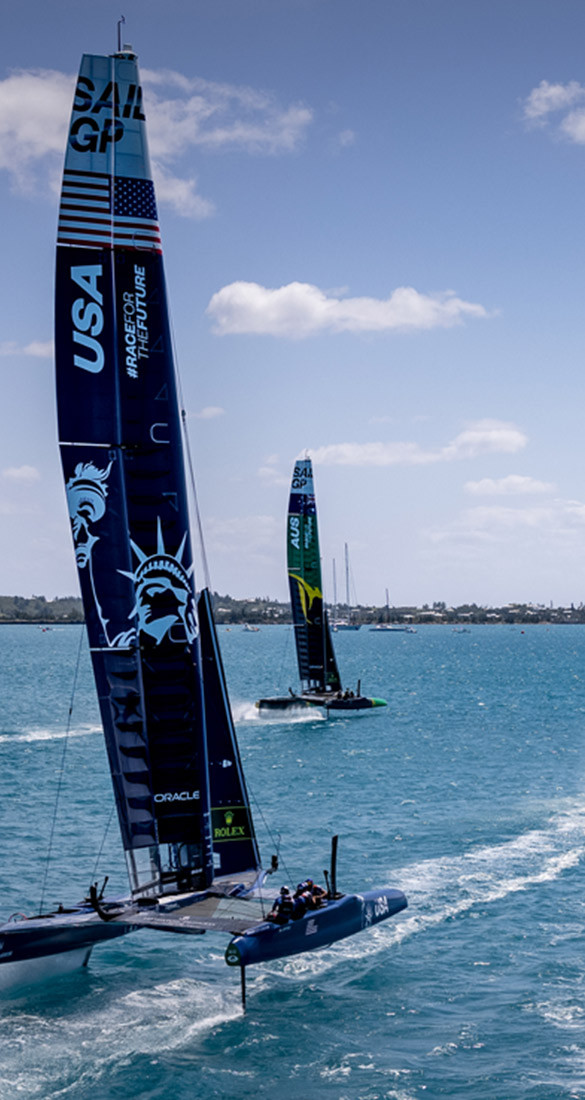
<point>183,809</point>
<point>318,671</point>
<point>392,628</point>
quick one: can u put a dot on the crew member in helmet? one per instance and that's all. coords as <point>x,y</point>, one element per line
<point>312,894</point>
<point>282,908</point>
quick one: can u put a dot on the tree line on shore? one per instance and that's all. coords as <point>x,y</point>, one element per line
<point>263,610</point>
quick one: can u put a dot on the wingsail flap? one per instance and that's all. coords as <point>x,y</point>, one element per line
<point>232,829</point>
<point>121,450</point>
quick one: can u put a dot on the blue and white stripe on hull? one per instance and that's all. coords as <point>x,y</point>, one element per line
<point>34,949</point>
<point>41,969</point>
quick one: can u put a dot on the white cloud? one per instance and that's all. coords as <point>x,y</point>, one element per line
<point>271,473</point>
<point>180,194</point>
<point>209,412</point>
<point>573,127</point>
<point>560,100</point>
<point>249,536</point>
<point>38,349</point>
<point>482,437</point>
<point>272,476</point>
<point>218,116</point>
<point>513,485</point>
<point>495,524</point>
<point>548,98</point>
<point>301,309</point>
<point>34,109</point>
<point>35,106</point>
<point>343,140</point>
<point>21,473</point>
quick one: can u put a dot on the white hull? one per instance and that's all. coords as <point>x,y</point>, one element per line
<point>31,971</point>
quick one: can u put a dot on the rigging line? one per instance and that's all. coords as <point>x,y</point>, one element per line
<point>204,560</point>
<point>275,841</point>
<point>62,769</point>
<point>285,651</point>
<point>106,830</point>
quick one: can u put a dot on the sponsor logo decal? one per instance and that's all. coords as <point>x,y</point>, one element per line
<point>135,327</point>
<point>307,596</point>
<point>178,796</point>
<point>230,824</point>
<point>294,524</point>
<point>88,317</point>
<point>380,907</point>
<point>302,476</point>
<point>95,129</point>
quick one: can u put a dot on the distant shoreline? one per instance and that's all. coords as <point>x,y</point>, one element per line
<point>262,611</point>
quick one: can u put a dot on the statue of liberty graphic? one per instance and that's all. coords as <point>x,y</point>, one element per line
<point>87,492</point>
<point>162,583</point>
<point>164,592</point>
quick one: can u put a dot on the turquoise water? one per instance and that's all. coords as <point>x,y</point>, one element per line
<point>467,792</point>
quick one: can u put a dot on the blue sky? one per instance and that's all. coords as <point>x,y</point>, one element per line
<point>372,224</point>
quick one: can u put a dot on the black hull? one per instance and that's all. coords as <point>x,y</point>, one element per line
<point>333,704</point>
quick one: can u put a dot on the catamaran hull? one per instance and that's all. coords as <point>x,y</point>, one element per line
<point>37,949</point>
<point>332,706</point>
<point>318,928</point>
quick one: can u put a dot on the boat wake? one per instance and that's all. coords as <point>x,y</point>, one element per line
<point>148,1022</point>
<point>32,736</point>
<point>248,712</point>
<point>442,889</point>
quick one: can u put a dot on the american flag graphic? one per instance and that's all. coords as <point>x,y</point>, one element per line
<point>86,218</point>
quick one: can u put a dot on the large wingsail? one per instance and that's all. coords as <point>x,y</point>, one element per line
<point>317,665</point>
<point>120,440</point>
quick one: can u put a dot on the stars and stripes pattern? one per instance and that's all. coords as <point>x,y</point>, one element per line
<point>89,219</point>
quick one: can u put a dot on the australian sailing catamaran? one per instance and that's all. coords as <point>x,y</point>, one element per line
<point>318,671</point>
<point>184,814</point>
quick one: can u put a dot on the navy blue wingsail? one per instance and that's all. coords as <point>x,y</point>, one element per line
<point>120,440</point>
<point>234,841</point>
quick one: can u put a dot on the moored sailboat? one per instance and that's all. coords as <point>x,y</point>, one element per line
<point>183,809</point>
<point>318,670</point>
<point>350,623</point>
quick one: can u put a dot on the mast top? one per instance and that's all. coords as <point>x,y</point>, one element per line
<point>125,52</point>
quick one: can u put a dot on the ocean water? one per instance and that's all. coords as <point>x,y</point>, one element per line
<point>467,792</point>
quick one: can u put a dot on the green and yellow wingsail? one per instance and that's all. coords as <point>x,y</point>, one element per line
<point>317,665</point>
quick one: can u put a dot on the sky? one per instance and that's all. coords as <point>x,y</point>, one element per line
<point>372,221</point>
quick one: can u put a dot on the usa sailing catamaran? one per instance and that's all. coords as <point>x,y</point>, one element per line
<point>183,809</point>
<point>318,671</point>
